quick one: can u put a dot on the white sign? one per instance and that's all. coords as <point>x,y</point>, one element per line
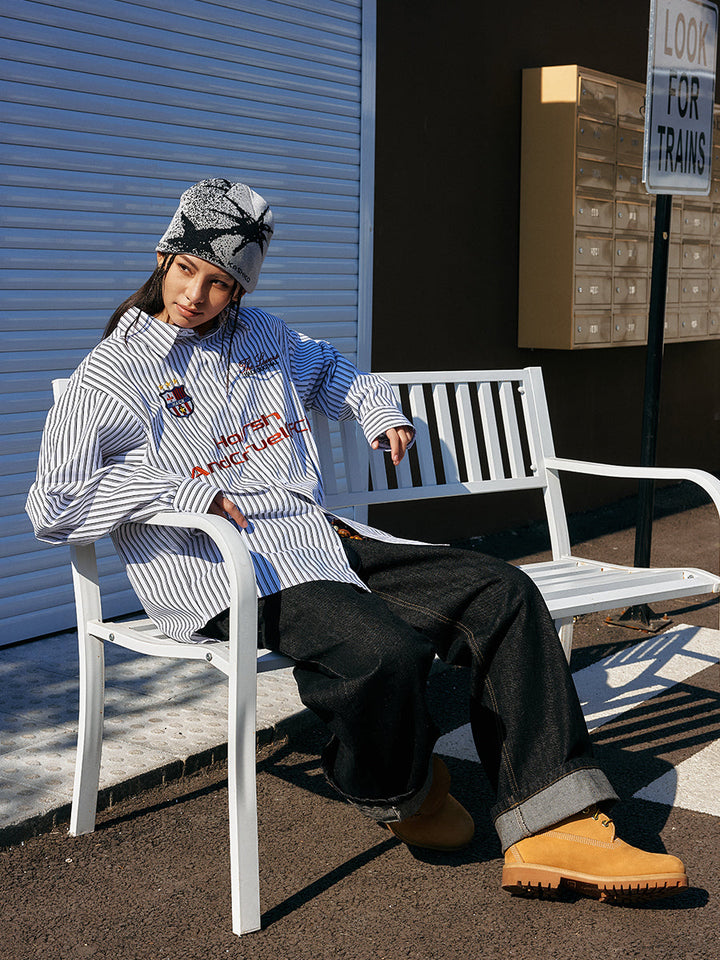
<point>680,96</point>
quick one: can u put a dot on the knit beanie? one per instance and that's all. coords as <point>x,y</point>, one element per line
<point>225,223</point>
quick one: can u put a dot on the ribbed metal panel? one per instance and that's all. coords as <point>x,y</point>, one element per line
<point>110,109</point>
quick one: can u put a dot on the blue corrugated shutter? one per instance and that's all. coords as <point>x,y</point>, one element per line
<point>111,108</point>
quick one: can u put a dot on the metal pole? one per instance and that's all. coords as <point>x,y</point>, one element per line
<point>642,617</point>
<point>653,372</point>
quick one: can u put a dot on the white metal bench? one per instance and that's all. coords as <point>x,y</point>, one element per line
<point>478,432</point>
<point>486,431</point>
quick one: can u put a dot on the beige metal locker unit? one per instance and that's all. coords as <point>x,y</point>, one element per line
<point>586,221</point>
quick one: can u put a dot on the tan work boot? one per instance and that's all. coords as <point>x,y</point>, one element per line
<point>582,853</point>
<point>441,823</point>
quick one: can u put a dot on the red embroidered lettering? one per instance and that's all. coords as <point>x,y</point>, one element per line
<point>295,425</point>
<point>224,441</point>
<point>237,457</point>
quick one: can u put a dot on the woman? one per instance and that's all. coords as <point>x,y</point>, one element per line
<point>192,402</point>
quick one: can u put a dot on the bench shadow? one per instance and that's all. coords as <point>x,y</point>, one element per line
<point>308,893</point>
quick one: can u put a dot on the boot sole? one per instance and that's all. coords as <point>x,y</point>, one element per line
<point>539,882</point>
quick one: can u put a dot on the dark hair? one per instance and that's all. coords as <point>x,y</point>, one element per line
<point>148,298</point>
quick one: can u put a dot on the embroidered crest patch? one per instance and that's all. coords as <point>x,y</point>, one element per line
<point>176,399</point>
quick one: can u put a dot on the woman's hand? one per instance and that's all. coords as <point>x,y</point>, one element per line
<point>222,507</point>
<point>399,438</point>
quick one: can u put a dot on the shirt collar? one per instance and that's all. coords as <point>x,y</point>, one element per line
<point>142,328</point>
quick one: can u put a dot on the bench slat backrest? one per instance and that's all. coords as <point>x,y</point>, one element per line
<point>477,431</point>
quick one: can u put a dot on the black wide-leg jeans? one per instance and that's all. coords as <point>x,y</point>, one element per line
<point>363,661</point>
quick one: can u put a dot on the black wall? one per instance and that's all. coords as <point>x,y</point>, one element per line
<point>446,242</point>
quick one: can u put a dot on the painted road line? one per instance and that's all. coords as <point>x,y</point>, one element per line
<point>692,784</point>
<point>627,679</point>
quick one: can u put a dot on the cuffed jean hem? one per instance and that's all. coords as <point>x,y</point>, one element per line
<point>566,796</point>
<point>391,811</point>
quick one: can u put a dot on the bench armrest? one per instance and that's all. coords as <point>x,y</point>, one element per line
<point>240,573</point>
<point>224,533</point>
<point>702,478</point>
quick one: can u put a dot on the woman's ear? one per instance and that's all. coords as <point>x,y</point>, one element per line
<point>238,294</point>
<point>160,257</point>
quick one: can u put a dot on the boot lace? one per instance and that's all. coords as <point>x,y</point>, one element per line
<point>598,815</point>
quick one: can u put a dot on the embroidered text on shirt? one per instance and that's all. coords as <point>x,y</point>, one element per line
<point>242,454</point>
<point>252,365</point>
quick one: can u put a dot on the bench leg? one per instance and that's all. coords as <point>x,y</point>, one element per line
<point>564,628</point>
<point>242,797</point>
<point>90,732</point>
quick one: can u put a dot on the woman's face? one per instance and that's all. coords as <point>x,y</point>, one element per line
<point>194,292</point>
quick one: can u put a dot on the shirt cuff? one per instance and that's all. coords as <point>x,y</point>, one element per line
<point>375,427</point>
<point>194,496</point>
<point>378,431</point>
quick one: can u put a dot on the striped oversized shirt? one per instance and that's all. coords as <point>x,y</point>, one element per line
<point>148,424</point>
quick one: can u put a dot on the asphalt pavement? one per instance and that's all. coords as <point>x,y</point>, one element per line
<point>153,880</point>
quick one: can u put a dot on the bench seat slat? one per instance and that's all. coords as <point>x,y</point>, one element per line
<point>640,575</point>
<point>581,585</point>
<point>569,592</point>
<point>573,570</point>
<point>574,606</point>
<point>144,637</point>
